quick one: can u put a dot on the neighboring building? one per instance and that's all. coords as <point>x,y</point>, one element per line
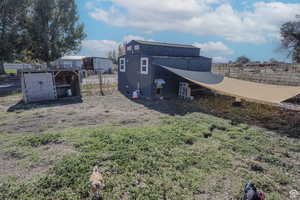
<point>69,62</point>
<point>98,64</point>
<point>141,68</point>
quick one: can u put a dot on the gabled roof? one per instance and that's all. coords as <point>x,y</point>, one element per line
<point>164,44</point>
<point>72,57</point>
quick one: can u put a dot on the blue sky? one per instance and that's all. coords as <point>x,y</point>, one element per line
<point>223,29</point>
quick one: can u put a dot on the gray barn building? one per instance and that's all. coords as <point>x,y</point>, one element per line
<point>141,69</point>
<point>69,62</point>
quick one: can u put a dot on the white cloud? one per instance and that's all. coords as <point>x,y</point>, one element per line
<point>219,60</point>
<point>102,47</point>
<point>214,48</point>
<point>218,18</point>
<point>89,5</point>
<point>99,47</point>
<point>128,38</point>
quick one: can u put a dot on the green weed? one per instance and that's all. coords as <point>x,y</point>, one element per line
<point>38,140</point>
<point>170,160</point>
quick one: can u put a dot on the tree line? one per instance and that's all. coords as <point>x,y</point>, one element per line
<point>290,41</point>
<point>38,30</point>
<point>116,53</point>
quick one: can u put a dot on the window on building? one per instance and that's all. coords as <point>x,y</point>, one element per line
<point>67,64</point>
<point>78,64</point>
<point>136,47</point>
<point>129,48</point>
<point>144,65</point>
<point>122,65</point>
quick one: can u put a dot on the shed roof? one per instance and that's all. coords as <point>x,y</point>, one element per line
<point>251,91</point>
<point>164,44</point>
<point>182,57</point>
<point>72,57</point>
<point>98,57</point>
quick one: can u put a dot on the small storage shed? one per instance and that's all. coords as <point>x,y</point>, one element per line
<point>69,62</point>
<point>140,69</point>
<point>156,70</point>
<point>98,64</point>
<point>47,85</point>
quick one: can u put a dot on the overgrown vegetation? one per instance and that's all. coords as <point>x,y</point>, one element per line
<point>38,140</point>
<point>270,117</point>
<point>191,157</point>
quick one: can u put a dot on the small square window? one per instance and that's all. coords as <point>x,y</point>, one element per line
<point>129,48</point>
<point>136,47</point>
<point>122,65</point>
<point>144,65</point>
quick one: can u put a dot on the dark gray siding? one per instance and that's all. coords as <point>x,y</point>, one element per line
<point>146,80</point>
<point>175,56</point>
<point>202,64</point>
<point>129,80</point>
<point>153,50</point>
<point>169,51</point>
<point>171,88</point>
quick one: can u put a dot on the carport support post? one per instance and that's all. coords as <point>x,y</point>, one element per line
<point>100,84</point>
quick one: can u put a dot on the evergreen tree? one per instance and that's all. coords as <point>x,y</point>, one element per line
<point>13,21</point>
<point>55,30</point>
<point>242,60</point>
<point>290,33</point>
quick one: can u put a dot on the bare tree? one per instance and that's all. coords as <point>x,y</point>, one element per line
<point>290,33</point>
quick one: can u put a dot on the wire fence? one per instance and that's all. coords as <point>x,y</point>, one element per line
<point>281,74</point>
<point>92,86</point>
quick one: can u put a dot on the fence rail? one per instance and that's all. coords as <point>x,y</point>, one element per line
<point>18,66</point>
<point>282,74</point>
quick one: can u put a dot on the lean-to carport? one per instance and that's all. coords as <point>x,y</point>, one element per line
<point>251,91</point>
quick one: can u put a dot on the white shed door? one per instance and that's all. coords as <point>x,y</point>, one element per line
<point>39,87</point>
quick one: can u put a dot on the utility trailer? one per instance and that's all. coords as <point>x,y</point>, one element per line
<point>49,85</point>
<point>98,65</point>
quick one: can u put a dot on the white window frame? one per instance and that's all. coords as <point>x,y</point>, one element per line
<point>129,48</point>
<point>147,66</point>
<point>122,67</point>
<point>136,47</point>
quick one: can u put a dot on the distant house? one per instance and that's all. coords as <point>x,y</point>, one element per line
<point>98,64</point>
<point>69,62</point>
<point>142,68</point>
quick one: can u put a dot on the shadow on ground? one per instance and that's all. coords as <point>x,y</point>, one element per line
<point>9,87</point>
<point>277,119</point>
<point>168,106</point>
<point>45,104</point>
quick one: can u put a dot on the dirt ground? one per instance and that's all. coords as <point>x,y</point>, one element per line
<point>93,111</point>
<point>26,163</point>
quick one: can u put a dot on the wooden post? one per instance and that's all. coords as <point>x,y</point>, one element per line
<point>100,84</point>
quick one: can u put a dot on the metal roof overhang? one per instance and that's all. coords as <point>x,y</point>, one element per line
<point>251,91</point>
